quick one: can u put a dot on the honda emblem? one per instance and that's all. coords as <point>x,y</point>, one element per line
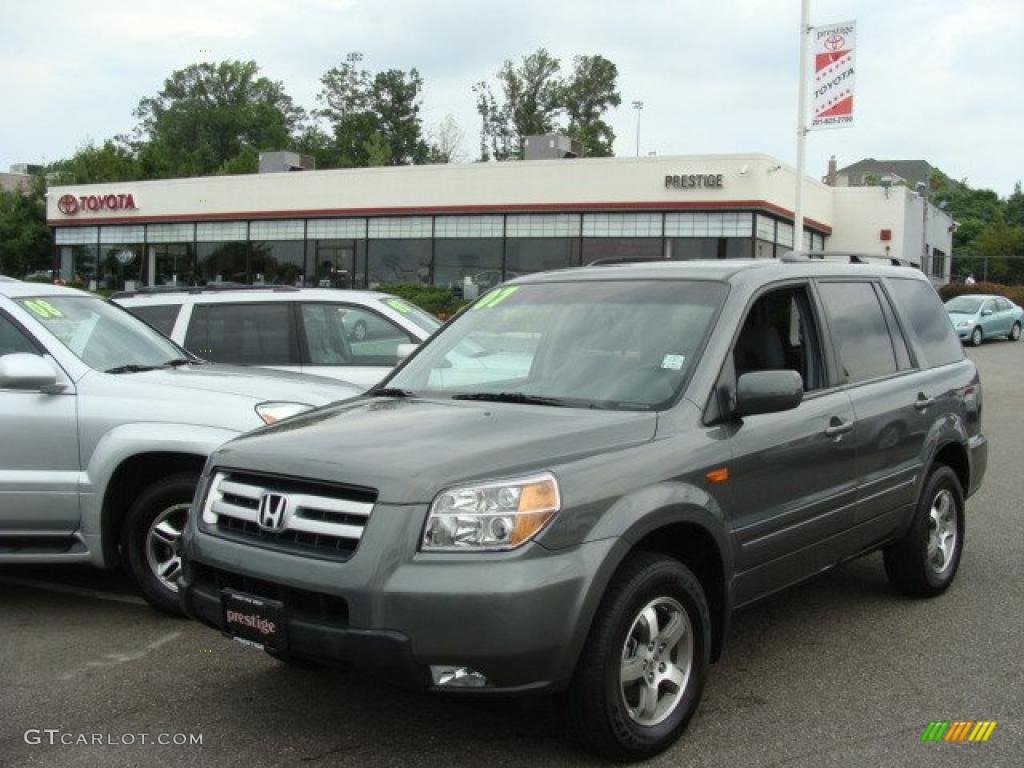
<point>272,509</point>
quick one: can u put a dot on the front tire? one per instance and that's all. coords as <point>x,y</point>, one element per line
<point>359,330</point>
<point>150,539</point>
<point>924,562</point>
<point>1015,332</point>
<point>642,670</point>
<point>977,337</point>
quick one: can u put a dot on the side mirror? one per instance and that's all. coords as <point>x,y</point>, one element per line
<point>768,392</point>
<point>404,350</point>
<point>986,312</point>
<point>24,371</point>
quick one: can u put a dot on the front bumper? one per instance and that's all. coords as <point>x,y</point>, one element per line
<point>517,618</point>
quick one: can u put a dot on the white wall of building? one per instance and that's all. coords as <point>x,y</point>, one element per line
<point>861,213</point>
<point>747,181</point>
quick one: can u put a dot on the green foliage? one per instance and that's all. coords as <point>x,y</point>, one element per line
<point>587,95</point>
<point>987,227</point>
<point>25,242</point>
<point>1014,293</point>
<point>213,118</point>
<point>536,99</point>
<point>438,301</point>
<point>375,118</point>
<point>112,161</point>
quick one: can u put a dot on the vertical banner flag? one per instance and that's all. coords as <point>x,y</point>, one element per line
<point>835,70</point>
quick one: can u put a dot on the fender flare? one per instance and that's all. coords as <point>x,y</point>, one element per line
<point>637,515</point>
<point>122,443</point>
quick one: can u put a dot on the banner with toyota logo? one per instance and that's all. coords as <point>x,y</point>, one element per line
<point>835,70</point>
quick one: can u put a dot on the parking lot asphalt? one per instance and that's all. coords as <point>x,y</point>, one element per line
<point>839,671</point>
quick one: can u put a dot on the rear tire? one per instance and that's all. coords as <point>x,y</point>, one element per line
<point>150,537</point>
<point>924,562</point>
<point>977,337</point>
<point>635,690</point>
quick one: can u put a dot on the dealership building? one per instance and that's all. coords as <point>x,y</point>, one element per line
<point>470,226</point>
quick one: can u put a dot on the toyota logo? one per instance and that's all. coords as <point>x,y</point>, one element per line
<point>272,510</point>
<point>835,42</point>
<point>67,205</point>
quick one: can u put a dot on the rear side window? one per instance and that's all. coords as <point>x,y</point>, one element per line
<point>923,310</point>
<point>160,317</point>
<point>242,334</point>
<point>859,331</point>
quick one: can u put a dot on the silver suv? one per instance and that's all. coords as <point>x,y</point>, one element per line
<point>106,425</point>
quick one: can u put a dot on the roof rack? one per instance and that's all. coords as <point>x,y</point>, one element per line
<point>846,258</point>
<point>613,261</point>
<point>155,290</point>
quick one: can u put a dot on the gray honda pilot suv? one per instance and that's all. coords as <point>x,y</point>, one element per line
<point>571,487</point>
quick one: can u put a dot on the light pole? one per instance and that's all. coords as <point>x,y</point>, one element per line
<point>353,58</point>
<point>638,106</point>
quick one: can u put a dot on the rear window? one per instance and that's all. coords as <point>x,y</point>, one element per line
<point>243,334</point>
<point>160,317</point>
<point>929,322</point>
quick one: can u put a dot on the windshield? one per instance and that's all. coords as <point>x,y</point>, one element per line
<point>611,344</point>
<point>413,314</point>
<point>966,305</point>
<point>102,336</point>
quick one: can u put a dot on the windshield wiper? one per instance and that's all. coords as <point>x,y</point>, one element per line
<point>392,392</point>
<point>184,361</point>
<point>131,368</point>
<point>514,397</point>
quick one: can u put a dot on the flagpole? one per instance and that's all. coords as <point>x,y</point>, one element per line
<point>801,127</point>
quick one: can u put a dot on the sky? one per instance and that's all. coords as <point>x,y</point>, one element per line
<point>938,80</point>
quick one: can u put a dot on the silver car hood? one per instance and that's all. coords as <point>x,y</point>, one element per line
<point>257,384</point>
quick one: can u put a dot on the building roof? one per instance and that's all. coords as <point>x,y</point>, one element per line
<point>912,171</point>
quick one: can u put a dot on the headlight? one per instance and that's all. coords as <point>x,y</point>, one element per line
<point>491,516</point>
<point>274,412</point>
<point>965,324</point>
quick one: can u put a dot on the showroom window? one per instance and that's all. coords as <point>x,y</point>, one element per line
<point>222,251</point>
<point>399,261</point>
<point>120,257</point>
<point>529,254</point>
<point>277,252</point>
<point>170,255</point>
<point>77,249</point>
<point>467,253</point>
<point>336,253</point>
<point>399,250</point>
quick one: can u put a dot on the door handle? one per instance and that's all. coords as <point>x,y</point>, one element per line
<point>923,402</point>
<point>837,427</point>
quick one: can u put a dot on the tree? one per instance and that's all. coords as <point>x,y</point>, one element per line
<point>375,118</point>
<point>532,102</point>
<point>1015,206</point>
<point>25,242</point>
<point>587,95</point>
<point>1003,244</point>
<point>113,161</point>
<point>535,99</point>
<point>213,118</point>
<point>445,140</point>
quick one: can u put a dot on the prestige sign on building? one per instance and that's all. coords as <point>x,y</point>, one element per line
<point>835,71</point>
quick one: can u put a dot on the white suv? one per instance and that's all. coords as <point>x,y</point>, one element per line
<point>356,336</point>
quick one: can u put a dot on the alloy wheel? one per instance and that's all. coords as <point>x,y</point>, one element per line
<point>162,545</point>
<point>942,531</point>
<point>656,661</point>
